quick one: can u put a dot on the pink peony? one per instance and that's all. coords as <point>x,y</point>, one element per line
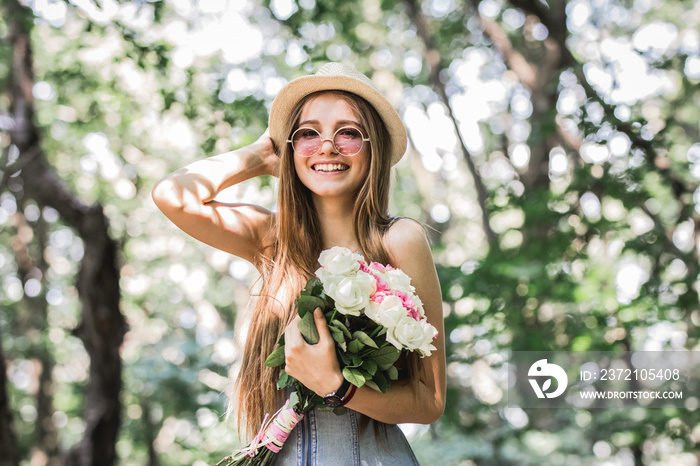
<point>381,283</point>
<point>364,267</point>
<point>379,296</point>
<point>381,268</point>
<point>408,303</point>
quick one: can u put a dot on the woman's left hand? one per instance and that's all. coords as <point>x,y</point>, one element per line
<point>315,366</point>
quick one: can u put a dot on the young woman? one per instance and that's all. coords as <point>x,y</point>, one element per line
<point>332,141</point>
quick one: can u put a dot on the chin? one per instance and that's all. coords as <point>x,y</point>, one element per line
<point>333,193</point>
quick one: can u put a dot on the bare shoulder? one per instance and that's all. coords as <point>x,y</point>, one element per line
<point>409,250</point>
<point>406,241</point>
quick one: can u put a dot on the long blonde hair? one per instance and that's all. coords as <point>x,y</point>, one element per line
<point>292,258</point>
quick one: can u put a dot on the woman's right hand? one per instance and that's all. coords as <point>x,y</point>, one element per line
<point>265,149</point>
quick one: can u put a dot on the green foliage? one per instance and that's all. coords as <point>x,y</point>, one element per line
<point>276,358</point>
<point>385,355</point>
<point>308,329</point>
<point>307,305</point>
<point>354,376</point>
<point>125,106</point>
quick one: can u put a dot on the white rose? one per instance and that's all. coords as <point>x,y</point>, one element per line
<point>387,313</point>
<point>339,261</point>
<point>350,293</point>
<point>397,280</point>
<point>413,335</point>
<point>324,275</point>
<point>429,334</point>
<point>408,334</point>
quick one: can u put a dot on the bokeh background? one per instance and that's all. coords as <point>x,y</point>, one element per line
<point>553,155</point>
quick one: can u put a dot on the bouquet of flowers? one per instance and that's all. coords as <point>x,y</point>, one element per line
<point>373,315</point>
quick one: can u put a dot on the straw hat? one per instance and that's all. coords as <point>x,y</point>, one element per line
<point>336,76</point>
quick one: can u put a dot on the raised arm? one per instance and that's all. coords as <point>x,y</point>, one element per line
<point>186,197</point>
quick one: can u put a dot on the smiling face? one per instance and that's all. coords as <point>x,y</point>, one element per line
<point>327,173</point>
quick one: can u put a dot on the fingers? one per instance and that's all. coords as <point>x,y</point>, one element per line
<point>323,333</point>
<point>315,366</point>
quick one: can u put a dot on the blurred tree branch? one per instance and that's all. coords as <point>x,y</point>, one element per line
<point>432,58</point>
<point>534,77</point>
<point>554,19</point>
<point>539,80</point>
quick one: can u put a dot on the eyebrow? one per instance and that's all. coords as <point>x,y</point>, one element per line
<point>338,123</point>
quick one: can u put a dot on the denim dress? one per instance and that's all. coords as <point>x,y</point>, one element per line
<point>326,439</point>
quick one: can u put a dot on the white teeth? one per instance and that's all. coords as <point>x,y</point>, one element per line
<point>330,167</point>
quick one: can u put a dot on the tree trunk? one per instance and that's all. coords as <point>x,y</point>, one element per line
<point>102,325</point>
<point>540,79</point>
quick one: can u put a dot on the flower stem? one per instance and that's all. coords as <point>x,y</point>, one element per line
<point>224,460</point>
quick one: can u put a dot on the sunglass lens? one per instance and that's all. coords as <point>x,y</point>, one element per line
<point>306,142</point>
<point>348,141</point>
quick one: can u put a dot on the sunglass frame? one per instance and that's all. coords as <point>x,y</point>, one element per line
<point>332,140</point>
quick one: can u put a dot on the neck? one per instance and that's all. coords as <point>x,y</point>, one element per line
<point>336,222</point>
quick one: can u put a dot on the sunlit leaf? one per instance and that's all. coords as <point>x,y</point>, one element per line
<point>308,329</point>
<point>364,338</point>
<point>276,358</point>
<point>354,376</point>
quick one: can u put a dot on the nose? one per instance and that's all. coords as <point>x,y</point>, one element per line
<point>327,148</point>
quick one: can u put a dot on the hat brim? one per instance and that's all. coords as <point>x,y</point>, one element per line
<point>299,88</point>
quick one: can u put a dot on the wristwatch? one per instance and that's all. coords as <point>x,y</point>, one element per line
<point>338,398</point>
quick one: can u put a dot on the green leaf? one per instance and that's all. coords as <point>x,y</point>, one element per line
<point>284,381</point>
<point>314,287</point>
<point>339,411</point>
<point>355,346</point>
<point>393,373</point>
<point>372,385</point>
<point>370,366</point>
<point>364,338</point>
<point>381,381</point>
<point>276,358</point>
<point>308,304</point>
<point>354,376</point>
<point>337,335</point>
<point>344,356</point>
<point>356,360</point>
<point>308,329</point>
<point>293,399</point>
<point>339,325</point>
<point>330,304</point>
<point>386,355</point>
